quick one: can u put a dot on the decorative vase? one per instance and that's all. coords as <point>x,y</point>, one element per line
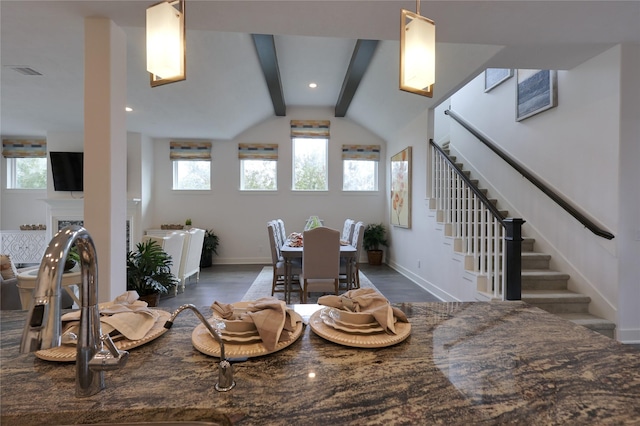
<point>374,257</point>
<point>152,299</point>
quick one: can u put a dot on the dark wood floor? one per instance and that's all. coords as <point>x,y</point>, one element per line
<point>229,283</point>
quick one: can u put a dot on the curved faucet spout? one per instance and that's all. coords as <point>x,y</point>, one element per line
<point>225,369</point>
<point>42,328</point>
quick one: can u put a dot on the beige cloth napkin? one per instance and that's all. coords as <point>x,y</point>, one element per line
<point>367,300</point>
<point>271,317</point>
<point>126,314</point>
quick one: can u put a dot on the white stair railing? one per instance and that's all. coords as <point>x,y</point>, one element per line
<point>472,222</point>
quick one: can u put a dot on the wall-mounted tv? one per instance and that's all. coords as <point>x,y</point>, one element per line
<point>67,168</point>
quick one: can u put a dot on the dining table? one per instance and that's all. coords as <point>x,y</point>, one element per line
<point>290,252</point>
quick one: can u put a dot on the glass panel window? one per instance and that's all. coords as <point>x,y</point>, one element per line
<point>310,164</point>
<point>258,175</point>
<point>191,175</point>
<point>359,175</point>
<point>27,173</point>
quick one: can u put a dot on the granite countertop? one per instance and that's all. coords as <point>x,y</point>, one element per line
<point>480,363</point>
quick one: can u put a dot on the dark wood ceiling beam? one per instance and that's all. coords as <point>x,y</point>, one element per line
<point>360,60</point>
<point>266,50</point>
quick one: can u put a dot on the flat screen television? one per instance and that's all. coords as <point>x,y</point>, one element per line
<point>67,168</point>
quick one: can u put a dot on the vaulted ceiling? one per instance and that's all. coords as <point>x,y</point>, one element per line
<point>226,92</point>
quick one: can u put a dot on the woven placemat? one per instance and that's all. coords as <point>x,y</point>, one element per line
<point>67,353</point>
<point>357,340</point>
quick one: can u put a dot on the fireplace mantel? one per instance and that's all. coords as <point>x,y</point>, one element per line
<point>71,210</point>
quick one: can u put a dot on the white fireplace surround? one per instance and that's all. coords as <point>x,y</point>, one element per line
<point>65,211</point>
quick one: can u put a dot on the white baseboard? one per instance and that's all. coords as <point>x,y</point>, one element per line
<point>421,282</point>
<point>628,335</point>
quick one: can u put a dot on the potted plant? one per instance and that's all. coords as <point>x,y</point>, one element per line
<point>149,272</point>
<point>73,258</point>
<point>209,248</point>
<point>374,237</point>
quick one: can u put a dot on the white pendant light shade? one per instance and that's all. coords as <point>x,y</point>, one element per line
<point>165,43</point>
<point>417,54</point>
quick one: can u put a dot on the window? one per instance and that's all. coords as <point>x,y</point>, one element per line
<point>191,165</point>
<point>310,141</point>
<point>359,175</point>
<point>191,175</point>
<point>26,163</point>
<point>27,173</point>
<point>258,167</point>
<point>310,164</point>
<point>360,167</point>
<point>258,175</point>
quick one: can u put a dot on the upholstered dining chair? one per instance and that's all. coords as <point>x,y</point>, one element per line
<point>281,230</point>
<point>191,253</point>
<point>320,261</point>
<point>277,261</point>
<point>356,241</point>
<point>347,230</point>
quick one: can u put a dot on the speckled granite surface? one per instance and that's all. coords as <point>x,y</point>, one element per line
<point>464,363</point>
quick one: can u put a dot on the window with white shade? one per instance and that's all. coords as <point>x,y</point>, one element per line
<point>310,144</point>
<point>26,162</point>
<point>360,167</point>
<point>258,167</point>
<point>191,165</point>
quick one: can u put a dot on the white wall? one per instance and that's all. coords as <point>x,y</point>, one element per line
<point>628,324</point>
<point>586,149</point>
<point>574,148</point>
<point>27,206</point>
<point>239,218</point>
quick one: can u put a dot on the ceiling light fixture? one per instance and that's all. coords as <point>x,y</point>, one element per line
<point>128,109</point>
<point>313,85</point>
<point>166,42</point>
<point>417,53</point>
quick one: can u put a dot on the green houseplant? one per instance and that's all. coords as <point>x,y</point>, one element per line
<point>374,237</point>
<point>149,272</point>
<point>73,258</point>
<point>209,248</point>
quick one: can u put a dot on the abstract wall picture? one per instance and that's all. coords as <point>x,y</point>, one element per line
<point>537,91</point>
<point>401,189</point>
<point>495,76</point>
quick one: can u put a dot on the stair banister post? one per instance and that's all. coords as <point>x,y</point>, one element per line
<point>513,239</point>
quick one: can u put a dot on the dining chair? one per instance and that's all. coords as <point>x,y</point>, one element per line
<point>347,230</point>
<point>356,241</point>
<point>277,261</point>
<point>320,261</point>
<point>283,233</point>
<point>191,253</point>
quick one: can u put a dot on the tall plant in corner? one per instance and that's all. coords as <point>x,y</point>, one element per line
<point>209,248</point>
<point>374,237</point>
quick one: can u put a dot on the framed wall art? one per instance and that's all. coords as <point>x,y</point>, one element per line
<point>401,189</point>
<point>537,91</point>
<point>495,76</point>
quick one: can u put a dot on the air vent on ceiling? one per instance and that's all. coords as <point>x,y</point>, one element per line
<point>25,70</point>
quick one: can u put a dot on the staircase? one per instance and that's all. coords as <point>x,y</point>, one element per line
<point>541,287</point>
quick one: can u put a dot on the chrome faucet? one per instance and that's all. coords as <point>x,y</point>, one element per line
<point>95,352</point>
<point>225,369</point>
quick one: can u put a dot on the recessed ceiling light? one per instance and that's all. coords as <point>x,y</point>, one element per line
<point>313,85</point>
<point>128,109</point>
